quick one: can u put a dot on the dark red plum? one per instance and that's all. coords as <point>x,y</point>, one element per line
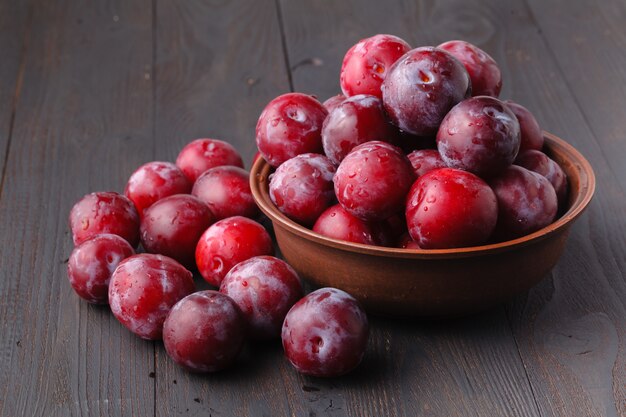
<point>531,134</point>
<point>367,63</point>
<point>226,191</point>
<point>422,87</point>
<point>357,120</point>
<point>92,263</point>
<point>449,208</point>
<point>333,102</point>
<point>480,135</point>
<point>482,68</point>
<point>425,160</point>
<point>104,212</point>
<point>173,225</point>
<point>204,332</point>
<point>406,242</point>
<point>337,223</point>
<point>540,163</point>
<point>264,288</point>
<point>527,202</point>
<point>372,181</point>
<point>290,125</point>
<point>144,288</point>
<point>302,187</point>
<point>325,334</point>
<point>154,181</point>
<point>228,242</point>
<point>203,154</point>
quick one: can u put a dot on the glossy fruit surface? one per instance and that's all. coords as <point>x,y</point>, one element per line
<point>154,181</point>
<point>531,134</point>
<point>367,63</point>
<point>422,87</point>
<point>450,208</point>
<point>264,288</point>
<point>203,154</point>
<point>334,101</point>
<point>228,242</point>
<point>302,187</point>
<point>325,333</point>
<point>104,212</point>
<point>540,163</point>
<point>337,223</point>
<point>226,191</point>
<point>204,332</point>
<point>425,160</point>
<point>92,263</point>
<point>173,225</point>
<point>357,120</point>
<point>144,288</point>
<point>482,68</point>
<point>527,202</point>
<point>480,135</point>
<point>290,125</point>
<point>372,181</point>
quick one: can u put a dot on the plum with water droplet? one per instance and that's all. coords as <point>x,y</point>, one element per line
<point>425,160</point>
<point>228,242</point>
<point>154,181</point>
<point>421,87</point>
<point>92,263</point>
<point>104,212</point>
<point>302,187</point>
<point>482,68</point>
<point>527,202</point>
<point>226,191</point>
<point>336,223</point>
<point>203,154</point>
<point>357,120</point>
<point>144,288</point>
<point>290,125</point>
<point>449,208</point>
<point>480,135</point>
<point>264,288</point>
<point>372,181</point>
<point>367,63</point>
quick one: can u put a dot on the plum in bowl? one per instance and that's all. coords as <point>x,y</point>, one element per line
<point>435,283</point>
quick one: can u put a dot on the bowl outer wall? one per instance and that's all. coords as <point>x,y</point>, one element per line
<point>431,283</point>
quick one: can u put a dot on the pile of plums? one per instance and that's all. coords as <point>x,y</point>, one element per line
<point>199,213</point>
<point>418,152</point>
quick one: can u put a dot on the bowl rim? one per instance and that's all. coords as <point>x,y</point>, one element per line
<point>259,183</point>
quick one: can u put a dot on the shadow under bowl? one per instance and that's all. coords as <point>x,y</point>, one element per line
<point>416,283</point>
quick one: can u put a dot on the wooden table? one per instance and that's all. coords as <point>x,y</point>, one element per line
<point>90,90</point>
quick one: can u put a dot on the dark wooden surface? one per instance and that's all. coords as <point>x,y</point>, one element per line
<point>90,90</point>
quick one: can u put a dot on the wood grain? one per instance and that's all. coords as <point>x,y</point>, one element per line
<point>217,65</point>
<point>14,31</point>
<point>83,116</point>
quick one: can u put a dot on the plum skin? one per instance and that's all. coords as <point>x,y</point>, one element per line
<point>367,63</point>
<point>143,289</point>
<point>421,87</point>
<point>264,288</point>
<point>104,212</point>
<point>449,208</point>
<point>172,227</point>
<point>91,264</point>
<point>325,334</point>
<point>372,181</point>
<point>302,187</point>
<point>228,242</point>
<point>540,163</point>
<point>480,135</point>
<point>337,223</point>
<point>204,332</point>
<point>203,154</point>
<point>290,125</point>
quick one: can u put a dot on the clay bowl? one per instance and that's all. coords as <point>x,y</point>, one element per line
<point>431,283</point>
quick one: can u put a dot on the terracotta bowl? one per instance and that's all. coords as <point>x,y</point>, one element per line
<point>431,283</point>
